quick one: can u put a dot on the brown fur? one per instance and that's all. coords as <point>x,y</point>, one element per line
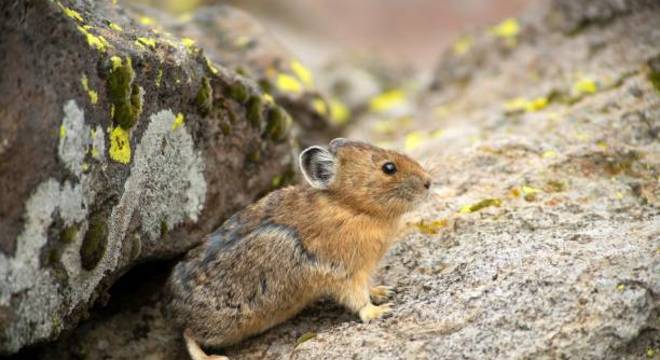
<point>295,245</point>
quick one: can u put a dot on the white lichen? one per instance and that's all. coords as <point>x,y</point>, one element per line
<point>169,174</point>
<point>98,144</point>
<point>74,138</point>
<point>166,183</point>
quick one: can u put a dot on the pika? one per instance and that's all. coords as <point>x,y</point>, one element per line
<point>323,238</point>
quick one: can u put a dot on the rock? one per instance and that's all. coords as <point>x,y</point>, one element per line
<point>118,144</point>
<point>235,40</point>
<point>542,237</point>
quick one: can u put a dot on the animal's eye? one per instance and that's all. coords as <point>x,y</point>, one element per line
<point>389,168</point>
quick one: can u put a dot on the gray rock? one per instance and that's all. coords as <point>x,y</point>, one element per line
<point>119,144</point>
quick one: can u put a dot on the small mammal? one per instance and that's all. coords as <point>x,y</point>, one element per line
<point>296,245</point>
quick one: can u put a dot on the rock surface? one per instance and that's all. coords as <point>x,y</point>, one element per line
<point>235,40</point>
<point>118,144</point>
<point>543,237</point>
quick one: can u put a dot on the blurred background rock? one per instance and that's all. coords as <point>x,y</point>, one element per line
<point>410,33</point>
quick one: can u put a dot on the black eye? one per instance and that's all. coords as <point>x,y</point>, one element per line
<point>389,168</point>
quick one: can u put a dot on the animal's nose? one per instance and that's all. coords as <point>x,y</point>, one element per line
<point>427,184</point>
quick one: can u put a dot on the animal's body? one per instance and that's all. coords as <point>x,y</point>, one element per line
<point>297,244</point>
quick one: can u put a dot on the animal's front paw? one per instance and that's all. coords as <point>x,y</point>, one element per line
<point>380,294</point>
<point>372,312</point>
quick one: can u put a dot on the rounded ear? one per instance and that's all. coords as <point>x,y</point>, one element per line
<point>318,166</point>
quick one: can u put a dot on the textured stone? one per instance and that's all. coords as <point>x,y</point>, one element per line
<point>106,160</point>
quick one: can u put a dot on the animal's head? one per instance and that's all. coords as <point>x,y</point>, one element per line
<point>366,177</point>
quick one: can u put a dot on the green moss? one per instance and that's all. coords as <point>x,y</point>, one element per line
<point>164,229</point>
<point>242,71</point>
<point>204,98</point>
<point>123,93</point>
<point>654,78</point>
<point>555,186</point>
<point>94,242</point>
<point>284,179</point>
<point>255,155</point>
<point>239,92</point>
<point>136,246</point>
<point>255,108</point>
<point>278,124</point>
<point>225,127</point>
<point>266,86</point>
<point>68,234</point>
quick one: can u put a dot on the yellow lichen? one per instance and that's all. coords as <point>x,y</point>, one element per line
<point>145,20</point>
<point>289,84</point>
<point>462,45</point>
<point>320,106</point>
<point>159,77</point>
<point>93,95</point>
<point>302,73</point>
<point>120,145</point>
<point>96,154</point>
<point>413,140</point>
<point>305,337</point>
<point>71,13</point>
<point>650,353</point>
<point>549,154</point>
<point>268,98</point>
<point>339,113</point>
<point>178,121</point>
<point>62,131</point>
<point>188,43</point>
<point>242,41</point>
<point>150,42</point>
<point>480,205</point>
<point>585,86</point>
<point>438,133</point>
<point>115,27</point>
<point>97,42</point>
<point>387,100</point>
<point>530,193</point>
<point>115,61</point>
<point>185,17</point>
<point>431,227</point>
<point>211,66</point>
<point>582,136</point>
<point>384,126</point>
<point>522,104</point>
<point>507,29</point>
<point>529,190</point>
<point>621,287</point>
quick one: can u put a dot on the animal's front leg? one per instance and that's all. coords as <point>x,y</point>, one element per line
<point>380,294</point>
<point>354,293</point>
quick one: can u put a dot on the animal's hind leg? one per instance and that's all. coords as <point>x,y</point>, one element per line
<point>196,352</point>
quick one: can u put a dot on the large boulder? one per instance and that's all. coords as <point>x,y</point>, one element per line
<point>119,143</point>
